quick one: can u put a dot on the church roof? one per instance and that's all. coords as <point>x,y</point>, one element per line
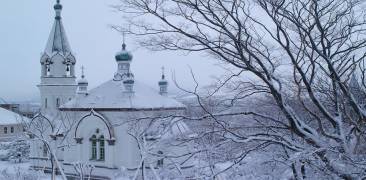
<point>110,96</point>
<point>11,118</point>
<point>57,41</point>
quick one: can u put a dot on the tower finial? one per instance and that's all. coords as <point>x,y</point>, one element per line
<point>124,40</point>
<point>58,8</point>
<point>82,72</point>
<point>124,36</point>
<point>163,72</point>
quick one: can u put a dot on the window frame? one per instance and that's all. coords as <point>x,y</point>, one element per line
<point>94,150</point>
<point>58,102</point>
<point>101,152</point>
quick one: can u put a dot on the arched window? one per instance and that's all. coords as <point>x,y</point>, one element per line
<point>11,129</point>
<point>58,102</point>
<point>101,148</point>
<point>68,73</point>
<point>93,141</point>
<point>48,69</point>
<point>5,130</point>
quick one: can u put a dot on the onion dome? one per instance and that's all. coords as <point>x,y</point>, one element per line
<point>124,55</point>
<point>163,82</point>
<point>83,81</point>
<point>58,6</point>
<point>58,9</point>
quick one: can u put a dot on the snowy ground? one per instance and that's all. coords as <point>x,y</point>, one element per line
<point>20,171</point>
<point>14,171</point>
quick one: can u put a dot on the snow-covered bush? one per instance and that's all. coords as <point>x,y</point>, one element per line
<point>18,151</point>
<point>18,173</point>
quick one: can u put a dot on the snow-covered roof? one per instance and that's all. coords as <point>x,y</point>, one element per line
<point>9,118</point>
<point>110,95</point>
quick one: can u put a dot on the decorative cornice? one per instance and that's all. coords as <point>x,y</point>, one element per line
<point>79,140</point>
<point>111,142</point>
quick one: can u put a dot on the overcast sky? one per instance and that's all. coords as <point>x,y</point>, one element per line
<point>24,29</point>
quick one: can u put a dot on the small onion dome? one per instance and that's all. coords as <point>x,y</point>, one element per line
<point>57,6</point>
<point>124,55</point>
<point>83,81</point>
<point>163,82</point>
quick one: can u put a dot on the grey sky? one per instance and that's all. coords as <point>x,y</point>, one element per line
<point>24,29</point>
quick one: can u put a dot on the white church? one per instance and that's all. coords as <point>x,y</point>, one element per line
<point>101,126</point>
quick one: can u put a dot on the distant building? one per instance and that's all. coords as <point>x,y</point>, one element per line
<point>25,109</point>
<point>11,125</point>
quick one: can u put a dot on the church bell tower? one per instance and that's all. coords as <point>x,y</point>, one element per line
<point>58,83</point>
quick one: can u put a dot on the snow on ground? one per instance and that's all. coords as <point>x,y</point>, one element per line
<point>21,171</point>
<point>10,170</point>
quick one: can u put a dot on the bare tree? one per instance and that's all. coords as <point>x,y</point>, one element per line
<point>302,53</point>
<point>84,170</point>
<point>51,134</point>
<point>161,145</point>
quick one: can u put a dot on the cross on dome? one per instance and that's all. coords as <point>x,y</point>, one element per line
<point>82,72</point>
<point>162,72</point>
<point>163,82</point>
<point>123,40</point>
<point>123,55</point>
<point>83,81</point>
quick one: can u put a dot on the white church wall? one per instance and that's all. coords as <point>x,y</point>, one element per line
<point>50,94</point>
<point>125,152</point>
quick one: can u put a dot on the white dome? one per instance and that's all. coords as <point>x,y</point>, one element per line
<point>83,81</point>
